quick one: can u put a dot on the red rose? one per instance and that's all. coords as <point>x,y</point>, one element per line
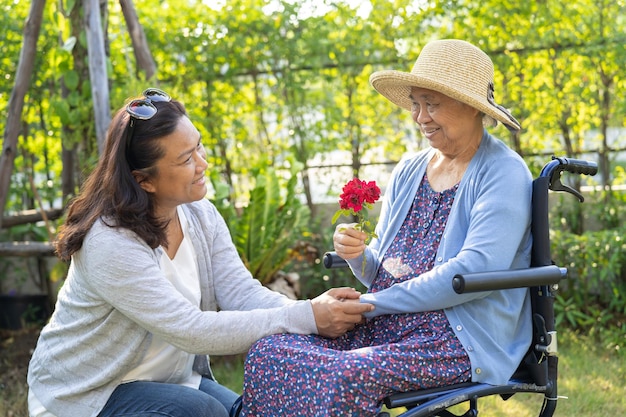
<point>356,193</point>
<point>356,198</point>
<point>371,192</point>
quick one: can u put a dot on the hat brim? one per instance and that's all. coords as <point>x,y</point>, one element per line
<point>396,87</point>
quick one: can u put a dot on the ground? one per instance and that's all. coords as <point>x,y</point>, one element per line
<point>16,347</point>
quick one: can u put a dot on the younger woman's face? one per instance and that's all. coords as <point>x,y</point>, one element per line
<point>180,173</point>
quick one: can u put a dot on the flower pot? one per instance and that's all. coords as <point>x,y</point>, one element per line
<point>18,310</point>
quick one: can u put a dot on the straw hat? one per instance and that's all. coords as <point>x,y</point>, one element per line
<point>452,67</point>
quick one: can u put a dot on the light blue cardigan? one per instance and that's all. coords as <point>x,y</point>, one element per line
<point>488,229</point>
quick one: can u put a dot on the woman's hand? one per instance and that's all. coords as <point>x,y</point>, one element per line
<point>338,310</point>
<point>349,242</point>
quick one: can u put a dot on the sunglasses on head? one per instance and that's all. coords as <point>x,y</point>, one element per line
<point>142,109</point>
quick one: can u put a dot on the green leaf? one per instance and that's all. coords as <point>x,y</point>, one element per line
<point>62,110</point>
<point>71,79</point>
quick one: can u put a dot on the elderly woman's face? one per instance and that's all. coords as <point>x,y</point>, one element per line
<point>447,123</point>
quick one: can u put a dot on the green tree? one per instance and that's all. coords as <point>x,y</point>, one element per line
<point>287,83</point>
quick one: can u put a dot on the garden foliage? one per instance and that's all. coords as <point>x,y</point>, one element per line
<point>275,81</point>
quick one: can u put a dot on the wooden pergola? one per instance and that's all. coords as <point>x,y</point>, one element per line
<point>92,12</point>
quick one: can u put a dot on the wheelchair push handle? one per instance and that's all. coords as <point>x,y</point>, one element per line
<point>552,173</point>
<point>578,166</point>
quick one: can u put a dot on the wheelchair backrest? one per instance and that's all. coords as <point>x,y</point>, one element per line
<point>539,365</point>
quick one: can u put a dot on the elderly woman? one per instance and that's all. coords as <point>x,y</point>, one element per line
<point>463,205</point>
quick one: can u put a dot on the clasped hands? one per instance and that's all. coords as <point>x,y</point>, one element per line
<point>338,310</point>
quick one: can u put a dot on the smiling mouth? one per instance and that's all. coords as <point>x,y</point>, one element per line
<point>200,180</point>
<point>430,132</point>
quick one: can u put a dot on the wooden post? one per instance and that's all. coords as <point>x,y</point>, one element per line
<point>97,70</point>
<point>144,59</point>
<point>16,101</point>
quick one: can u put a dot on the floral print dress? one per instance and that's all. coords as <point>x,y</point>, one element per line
<point>309,375</point>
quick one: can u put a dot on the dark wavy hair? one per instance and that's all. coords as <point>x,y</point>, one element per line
<point>111,192</point>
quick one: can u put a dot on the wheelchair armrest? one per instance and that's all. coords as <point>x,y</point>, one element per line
<point>332,260</point>
<point>486,281</point>
<point>514,278</point>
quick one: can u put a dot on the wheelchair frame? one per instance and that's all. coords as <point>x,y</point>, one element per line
<point>538,371</point>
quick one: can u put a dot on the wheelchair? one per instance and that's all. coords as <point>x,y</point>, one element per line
<point>537,373</point>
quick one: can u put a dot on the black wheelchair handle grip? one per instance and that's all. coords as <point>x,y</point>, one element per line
<point>332,260</point>
<point>514,278</point>
<point>578,166</point>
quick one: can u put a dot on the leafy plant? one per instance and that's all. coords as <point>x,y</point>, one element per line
<point>567,311</point>
<point>268,231</point>
<point>592,299</point>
